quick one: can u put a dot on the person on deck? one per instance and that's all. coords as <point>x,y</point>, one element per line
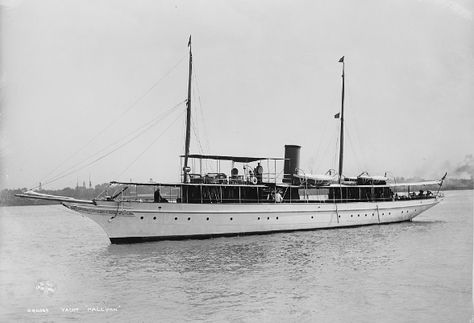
<point>157,197</point>
<point>278,197</point>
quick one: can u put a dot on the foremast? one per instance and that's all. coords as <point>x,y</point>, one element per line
<point>186,169</point>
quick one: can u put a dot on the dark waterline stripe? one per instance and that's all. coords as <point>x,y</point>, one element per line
<point>130,240</point>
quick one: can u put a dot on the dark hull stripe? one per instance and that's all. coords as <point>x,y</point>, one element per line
<point>128,240</point>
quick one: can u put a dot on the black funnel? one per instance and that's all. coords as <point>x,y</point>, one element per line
<point>292,162</point>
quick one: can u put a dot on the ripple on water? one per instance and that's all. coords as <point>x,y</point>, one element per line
<point>395,272</point>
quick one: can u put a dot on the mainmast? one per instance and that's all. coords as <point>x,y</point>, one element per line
<point>341,138</point>
<point>188,118</point>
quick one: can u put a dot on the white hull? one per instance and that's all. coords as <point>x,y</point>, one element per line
<point>134,221</point>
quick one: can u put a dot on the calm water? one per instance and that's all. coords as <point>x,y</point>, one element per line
<point>54,260</point>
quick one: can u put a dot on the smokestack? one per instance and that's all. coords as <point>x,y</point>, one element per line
<point>292,162</point>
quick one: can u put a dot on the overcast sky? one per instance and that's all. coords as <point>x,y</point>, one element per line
<point>79,77</point>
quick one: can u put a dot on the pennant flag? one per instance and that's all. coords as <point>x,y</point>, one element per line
<point>189,42</point>
<point>336,116</point>
<point>341,60</point>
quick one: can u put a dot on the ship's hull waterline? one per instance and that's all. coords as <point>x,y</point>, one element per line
<point>130,222</point>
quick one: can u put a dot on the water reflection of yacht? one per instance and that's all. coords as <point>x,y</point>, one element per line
<point>248,195</point>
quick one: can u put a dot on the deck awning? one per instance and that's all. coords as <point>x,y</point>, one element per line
<point>415,183</point>
<point>187,184</point>
<point>424,183</point>
<point>237,159</point>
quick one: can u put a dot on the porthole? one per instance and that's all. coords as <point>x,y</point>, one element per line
<point>339,216</point>
<point>407,211</point>
<point>383,213</point>
<point>141,217</point>
<point>154,218</point>
<point>372,214</point>
<point>176,218</point>
<point>402,212</point>
<point>258,218</point>
<point>268,218</point>
<point>358,214</point>
<point>366,214</point>
<point>312,217</point>
<point>207,219</point>
<point>231,219</point>
<point>189,219</point>
<point>351,215</point>
<point>277,218</point>
<point>389,213</point>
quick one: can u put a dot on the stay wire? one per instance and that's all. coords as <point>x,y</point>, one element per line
<point>196,135</point>
<point>139,99</point>
<point>139,131</point>
<point>201,112</point>
<point>354,151</point>
<point>150,145</point>
<point>320,143</point>
<point>358,142</point>
<point>207,145</point>
<point>336,153</point>
<point>77,166</point>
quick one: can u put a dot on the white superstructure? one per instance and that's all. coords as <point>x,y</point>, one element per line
<point>126,222</point>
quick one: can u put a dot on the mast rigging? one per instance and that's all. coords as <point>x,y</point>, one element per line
<point>341,144</point>
<point>188,117</point>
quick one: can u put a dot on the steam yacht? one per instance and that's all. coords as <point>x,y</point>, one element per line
<point>249,195</point>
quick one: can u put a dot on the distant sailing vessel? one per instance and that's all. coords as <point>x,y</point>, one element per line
<point>256,197</point>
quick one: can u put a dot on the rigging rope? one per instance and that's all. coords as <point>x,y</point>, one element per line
<point>336,153</point>
<point>139,99</point>
<point>201,112</point>
<point>196,135</point>
<point>320,143</point>
<point>360,147</point>
<point>150,145</point>
<point>148,126</point>
<point>354,152</point>
<point>140,131</point>
<point>207,147</point>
